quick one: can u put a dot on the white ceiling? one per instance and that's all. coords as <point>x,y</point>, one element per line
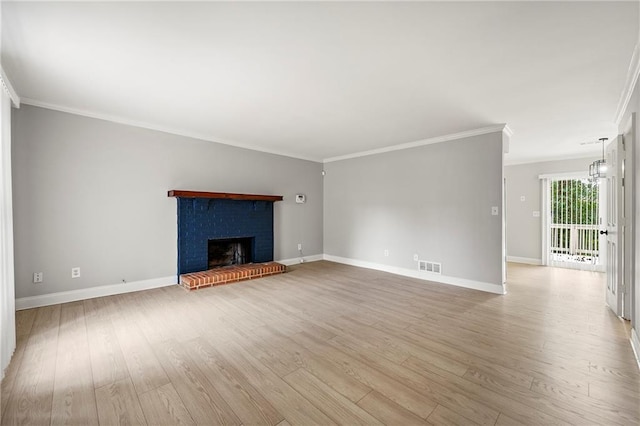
<point>320,80</point>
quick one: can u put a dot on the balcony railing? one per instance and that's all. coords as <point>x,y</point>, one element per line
<point>572,240</point>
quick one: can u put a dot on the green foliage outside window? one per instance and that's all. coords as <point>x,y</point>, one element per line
<point>574,201</point>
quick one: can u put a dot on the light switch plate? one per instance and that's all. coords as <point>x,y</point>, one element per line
<point>523,198</point>
<point>536,214</point>
<point>494,211</point>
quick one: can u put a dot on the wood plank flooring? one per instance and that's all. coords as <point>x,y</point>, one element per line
<point>330,344</point>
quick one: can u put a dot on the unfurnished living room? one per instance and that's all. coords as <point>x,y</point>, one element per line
<point>297,213</point>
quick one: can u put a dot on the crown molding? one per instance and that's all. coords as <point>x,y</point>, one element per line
<point>632,78</point>
<point>201,136</point>
<point>429,141</point>
<point>550,159</point>
<point>6,84</point>
<point>160,128</point>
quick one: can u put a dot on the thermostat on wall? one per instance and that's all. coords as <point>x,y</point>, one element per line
<point>300,198</point>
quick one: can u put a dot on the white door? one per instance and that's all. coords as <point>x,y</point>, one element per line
<point>615,254</point>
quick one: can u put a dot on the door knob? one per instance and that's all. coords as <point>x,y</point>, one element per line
<point>605,232</point>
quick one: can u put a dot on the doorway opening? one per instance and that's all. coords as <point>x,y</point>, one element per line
<point>573,235</point>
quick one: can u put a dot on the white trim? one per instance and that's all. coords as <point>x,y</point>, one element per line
<point>90,293</point>
<point>632,78</point>
<point>526,260</point>
<point>507,133</point>
<point>635,345</point>
<point>551,159</point>
<point>297,260</point>
<point>437,139</point>
<point>109,290</point>
<point>567,175</point>
<point>4,81</point>
<point>545,215</point>
<point>7,257</point>
<point>209,138</point>
<point>160,128</point>
<point>427,276</point>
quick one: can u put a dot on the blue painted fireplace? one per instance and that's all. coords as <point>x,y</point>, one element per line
<point>203,219</point>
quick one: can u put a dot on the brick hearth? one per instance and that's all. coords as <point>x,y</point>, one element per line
<point>229,274</point>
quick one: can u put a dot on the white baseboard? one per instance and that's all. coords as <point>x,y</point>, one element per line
<point>297,260</point>
<point>109,290</point>
<point>427,276</point>
<point>527,260</point>
<point>90,293</point>
<point>635,345</point>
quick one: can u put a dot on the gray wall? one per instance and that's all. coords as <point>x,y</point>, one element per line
<point>93,194</point>
<point>433,200</point>
<point>524,232</point>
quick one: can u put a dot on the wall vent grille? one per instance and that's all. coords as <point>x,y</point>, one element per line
<point>433,267</point>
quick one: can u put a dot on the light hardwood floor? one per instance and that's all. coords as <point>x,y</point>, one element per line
<point>329,344</point>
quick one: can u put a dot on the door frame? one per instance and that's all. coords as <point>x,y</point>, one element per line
<point>545,191</point>
<point>628,143</point>
<point>614,224</point>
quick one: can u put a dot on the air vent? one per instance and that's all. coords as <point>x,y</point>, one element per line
<point>433,267</point>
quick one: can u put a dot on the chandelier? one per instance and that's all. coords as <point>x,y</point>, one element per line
<point>598,168</point>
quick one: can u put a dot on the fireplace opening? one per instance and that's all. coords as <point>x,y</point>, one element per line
<point>229,251</point>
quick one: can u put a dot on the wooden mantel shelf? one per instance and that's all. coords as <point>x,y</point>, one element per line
<point>225,195</point>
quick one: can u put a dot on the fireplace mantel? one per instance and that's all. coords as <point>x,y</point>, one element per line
<point>222,195</point>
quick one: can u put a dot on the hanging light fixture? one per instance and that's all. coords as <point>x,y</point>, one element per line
<point>598,168</point>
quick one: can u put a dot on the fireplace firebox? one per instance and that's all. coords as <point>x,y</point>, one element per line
<point>229,251</point>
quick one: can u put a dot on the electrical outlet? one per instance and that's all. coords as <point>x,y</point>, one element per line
<point>386,253</point>
<point>415,257</point>
<point>75,272</point>
<point>299,246</point>
<point>523,198</point>
<point>37,277</point>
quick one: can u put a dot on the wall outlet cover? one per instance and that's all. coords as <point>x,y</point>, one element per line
<point>75,272</point>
